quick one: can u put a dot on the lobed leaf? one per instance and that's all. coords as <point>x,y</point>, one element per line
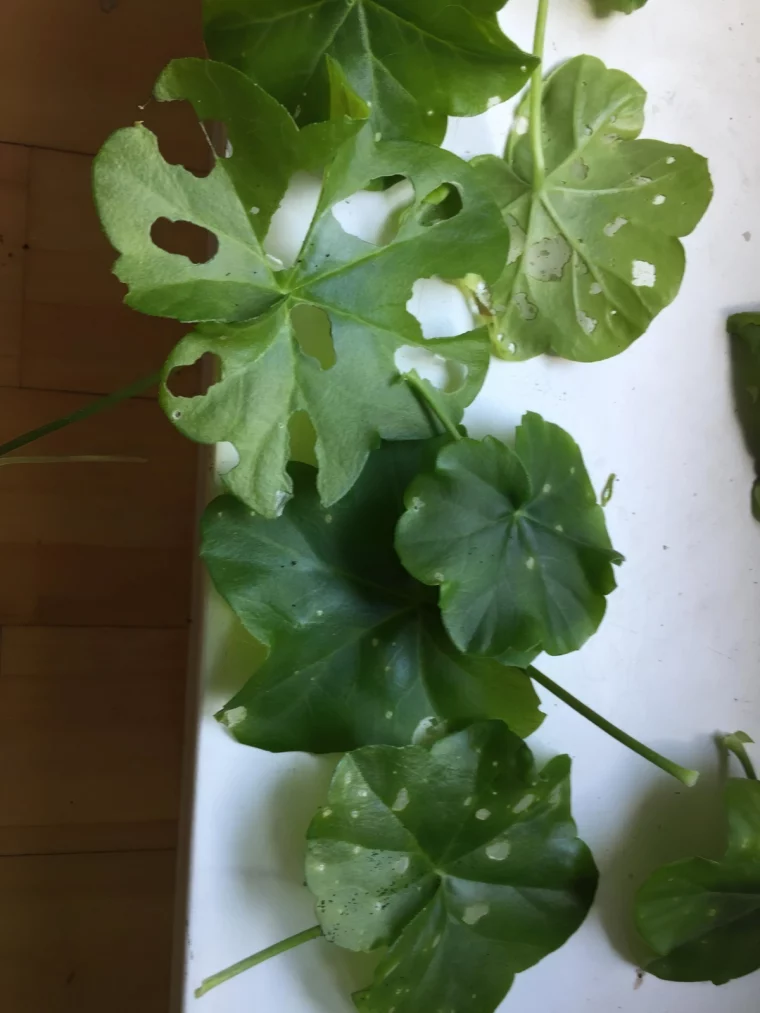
<point>357,651</point>
<point>252,311</point>
<point>462,859</point>
<point>594,253</point>
<point>413,63</point>
<point>701,917</point>
<point>516,541</point>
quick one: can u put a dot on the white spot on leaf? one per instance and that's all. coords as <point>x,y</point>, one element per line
<point>483,814</point>
<point>546,259</point>
<point>473,913</point>
<point>586,323</point>
<point>613,227</point>
<point>234,716</point>
<point>521,125</point>
<point>526,309</point>
<point>525,802</point>
<point>658,199</point>
<point>644,274</point>
<point>401,802</point>
<point>498,851</point>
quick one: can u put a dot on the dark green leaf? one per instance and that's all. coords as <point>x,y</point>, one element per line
<point>259,320</point>
<point>463,859</point>
<point>516,541</point>
<point>414,62</point>
<point>594,254</point>
<point>744,329</point>
<point>357,651</point>
<point>703,917</point>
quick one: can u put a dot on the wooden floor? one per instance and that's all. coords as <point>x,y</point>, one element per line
<point>95,560</point>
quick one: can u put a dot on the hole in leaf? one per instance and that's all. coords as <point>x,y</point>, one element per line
<point>189,240</point>
<point>374,215</point>
<point>303,438</point>
<point>445,375</point>
<point>196,379</point>
<point>227,457</point>
<point>313,332</point>
<point>292,219</point>
<point>440,205</point>
<point>441,308</point>
<point>217,137</point>
<point>181,139</point>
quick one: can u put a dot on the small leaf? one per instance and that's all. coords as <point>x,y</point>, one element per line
<point>252,311</point>
<point>595,253</point>
<point>516,541</point>
<point>744,329</point>
<point>463,859</point>
<point>703,917</point>
<point>415,64</point>
<point>357,650</point>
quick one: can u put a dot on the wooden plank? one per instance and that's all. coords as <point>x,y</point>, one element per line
<point>91,727</point>
<point>77,334</point>
<point>86,933</point>
<point>96,544</point>
<point>14,169</point>
<point>70,73</point>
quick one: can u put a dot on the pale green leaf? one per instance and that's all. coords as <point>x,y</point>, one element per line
<point>595,253</point>
<point>259,319</point>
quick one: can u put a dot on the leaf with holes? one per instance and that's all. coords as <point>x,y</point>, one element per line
<point>413,63</point>
<point>595,253</point>
<point>463,859</point>
<point>516,541</point>
<point>701,917</point>
<point>320,337</point>
<point>744,329</point>
<point>357,650</point>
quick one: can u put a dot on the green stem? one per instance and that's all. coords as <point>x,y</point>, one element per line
<point>735,744</point>
<point>438,410</point>
<point>687,777</point>
<point>536,89</point>
<point>257,958</point>
<point>82,413</point>
<point>74,459</point>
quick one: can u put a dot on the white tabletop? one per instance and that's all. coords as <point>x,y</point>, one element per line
<point>678,655</point>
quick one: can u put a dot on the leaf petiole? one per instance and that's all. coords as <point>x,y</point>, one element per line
<point>687,777</point>
<point>258,958</point>
<point>536,91</point>
<point>103,403</point>
<point>431,402</point>
<point>736,744</point>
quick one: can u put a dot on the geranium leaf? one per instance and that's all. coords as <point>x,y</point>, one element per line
<point>703,917</point>
<point>357,290</point>
<point>516,541</point>
<point>595,253</point>
<point>462,858</point>
<point>357,650</point>
<point>744,329</point>
<point>415,63</point>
